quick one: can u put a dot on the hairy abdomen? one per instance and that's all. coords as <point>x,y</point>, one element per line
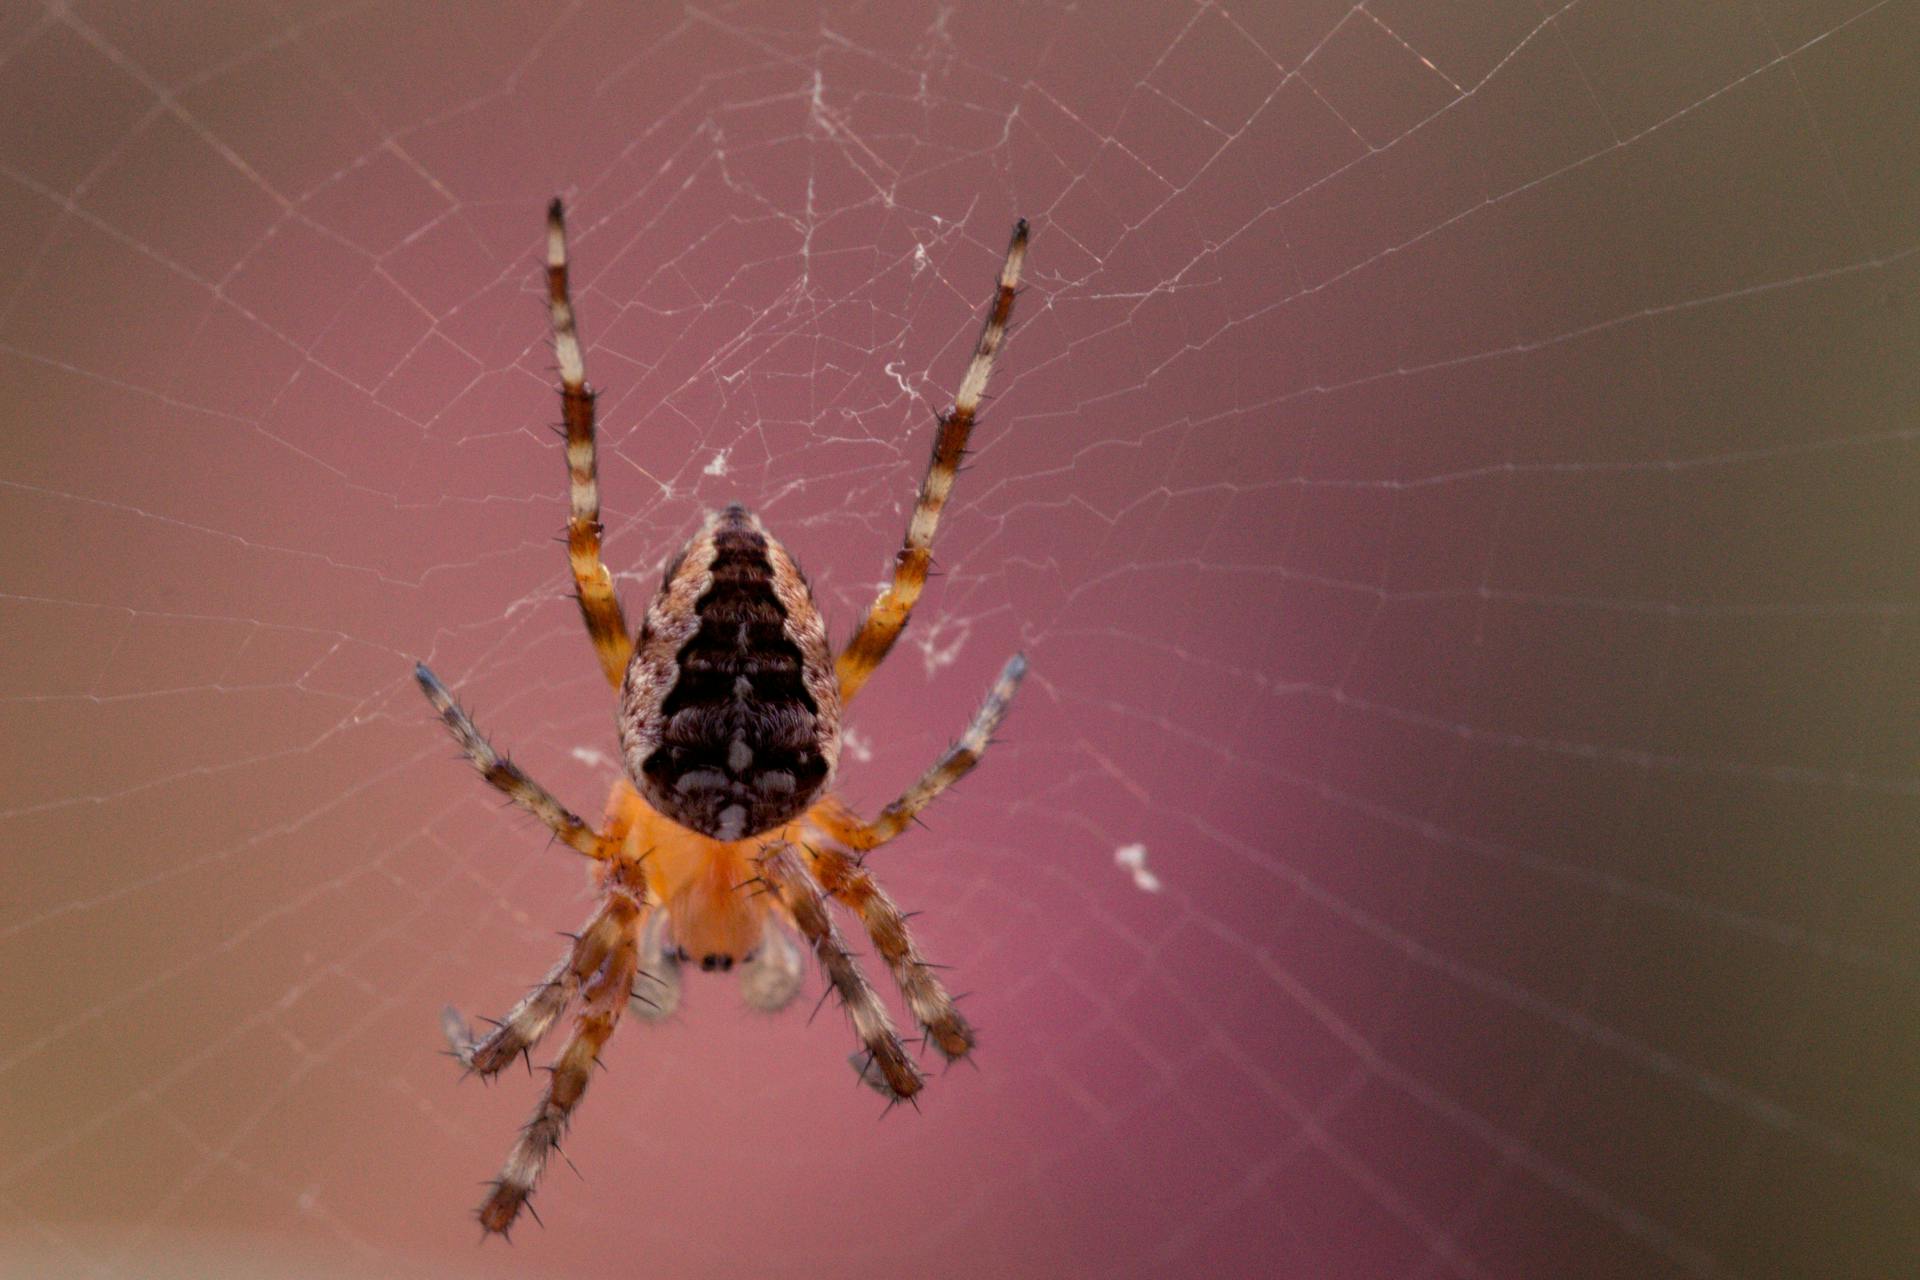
<point>729,715</point>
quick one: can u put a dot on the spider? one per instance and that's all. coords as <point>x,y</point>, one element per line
<point>729,709</point>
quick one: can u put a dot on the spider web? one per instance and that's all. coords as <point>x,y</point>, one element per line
<point>1453,476</point>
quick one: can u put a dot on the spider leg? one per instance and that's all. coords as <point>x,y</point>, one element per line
<point>932,1007</point>
<point>506,776</point>
<point>603,997</point>
<point>843,825</point>
<point>842,876</point>
<point>530,1020</point>
<point>599,606</point>
<point>888,616</point>
<point>887,1066</point>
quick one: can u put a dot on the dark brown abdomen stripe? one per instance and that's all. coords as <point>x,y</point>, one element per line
<point>739,741</point>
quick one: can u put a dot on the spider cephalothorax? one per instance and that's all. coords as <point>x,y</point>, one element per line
<point>729,714</point>
<point>724,840</point>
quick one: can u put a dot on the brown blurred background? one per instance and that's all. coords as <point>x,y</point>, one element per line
<point>1454,476</point>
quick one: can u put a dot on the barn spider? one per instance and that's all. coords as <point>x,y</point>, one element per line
<point>729,718</point>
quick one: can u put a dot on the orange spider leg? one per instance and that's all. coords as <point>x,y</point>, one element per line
<point>505,776</point>
<point>845,879</point>
<point>599,605</point>
<point>885,1065</point>
<point>600,967</point>
<point>888,616</point>
<point>530,1020</point>
<point>832,816</point>
<point>603,998</point>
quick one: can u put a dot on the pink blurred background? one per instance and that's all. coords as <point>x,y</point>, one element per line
<point>1453,475</point>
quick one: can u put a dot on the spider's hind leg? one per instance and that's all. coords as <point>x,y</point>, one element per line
<point>599,605</point>
<point>889,614</point>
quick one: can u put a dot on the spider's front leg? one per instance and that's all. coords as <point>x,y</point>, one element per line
<point>530,1020</point>
<point>946,1030</point>
<point>885,1064</point>
<point>603,998</point>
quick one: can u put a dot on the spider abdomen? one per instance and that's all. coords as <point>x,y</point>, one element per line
<point>729,714</point>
